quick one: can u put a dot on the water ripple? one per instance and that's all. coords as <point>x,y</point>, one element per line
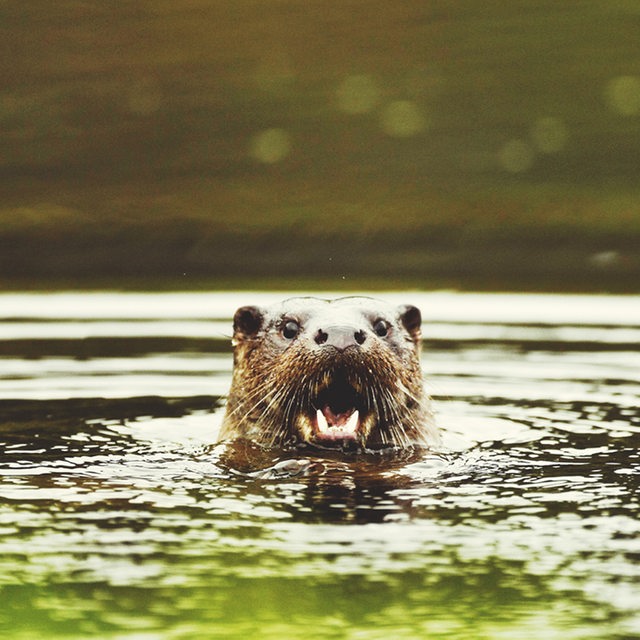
<point>119,516</point>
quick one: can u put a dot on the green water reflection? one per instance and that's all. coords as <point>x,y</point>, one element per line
<point>128,540</point>
<point>477,604</point>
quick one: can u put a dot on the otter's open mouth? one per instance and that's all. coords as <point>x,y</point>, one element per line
<point>343,426</point>
<point>340,410</point>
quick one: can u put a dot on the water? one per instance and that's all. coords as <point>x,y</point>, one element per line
<point>119,519</point>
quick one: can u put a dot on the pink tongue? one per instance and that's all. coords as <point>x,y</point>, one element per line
<point>336,419</point>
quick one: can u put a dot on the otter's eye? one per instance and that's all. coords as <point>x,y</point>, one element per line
<point>381,328</point>
<point>291,329</point>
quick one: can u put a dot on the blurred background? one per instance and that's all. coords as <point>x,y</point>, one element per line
<point>187,143</point>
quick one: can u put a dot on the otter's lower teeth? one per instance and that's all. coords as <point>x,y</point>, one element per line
<point>349,427</point>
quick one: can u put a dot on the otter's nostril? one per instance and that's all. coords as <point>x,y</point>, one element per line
<point>320,337</point>
<point>360,336</point>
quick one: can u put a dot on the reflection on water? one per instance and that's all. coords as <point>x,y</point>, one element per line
<point>118,518</point>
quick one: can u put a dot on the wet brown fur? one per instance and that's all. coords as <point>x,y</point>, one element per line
<point>275,381</point>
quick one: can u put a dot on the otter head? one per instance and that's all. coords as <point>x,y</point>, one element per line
<point>340,374</point>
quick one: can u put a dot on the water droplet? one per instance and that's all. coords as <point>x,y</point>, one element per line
<point>403,119</point>
<point>516,156</point>
<point>623,95</point>
<point>271,145</point>
<point>357,94</point>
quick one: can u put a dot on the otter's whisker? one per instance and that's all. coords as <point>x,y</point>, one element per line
<point>246,412</point>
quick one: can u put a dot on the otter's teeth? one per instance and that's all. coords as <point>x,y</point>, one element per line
<point>348,429</point>
<point>352,423</point>
<point>323,425</point>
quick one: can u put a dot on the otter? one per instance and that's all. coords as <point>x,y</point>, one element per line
<point>338,374</point>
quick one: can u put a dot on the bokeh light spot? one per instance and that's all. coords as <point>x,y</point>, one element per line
<point>516,156</point>
<point>271,146</point>
<point>605,259</point>
<point>403,119</point>
<point>357,94</point>
<point>623,95</point>
<point>549,135</point>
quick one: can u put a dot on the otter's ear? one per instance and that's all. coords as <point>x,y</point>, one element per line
<point>247,321</point>
<point>411,319</point>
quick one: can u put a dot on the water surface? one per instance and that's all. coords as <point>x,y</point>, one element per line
<point>119,519</point>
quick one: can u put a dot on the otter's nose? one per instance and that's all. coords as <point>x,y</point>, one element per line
<point>340,337</point>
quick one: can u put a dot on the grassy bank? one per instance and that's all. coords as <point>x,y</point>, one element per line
<point>513,236</point>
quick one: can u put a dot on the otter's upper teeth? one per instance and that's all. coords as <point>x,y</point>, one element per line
<point>352,422</point>
<point>323,425</point>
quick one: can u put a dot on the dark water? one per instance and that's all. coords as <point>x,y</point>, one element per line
<point>118,519</point>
